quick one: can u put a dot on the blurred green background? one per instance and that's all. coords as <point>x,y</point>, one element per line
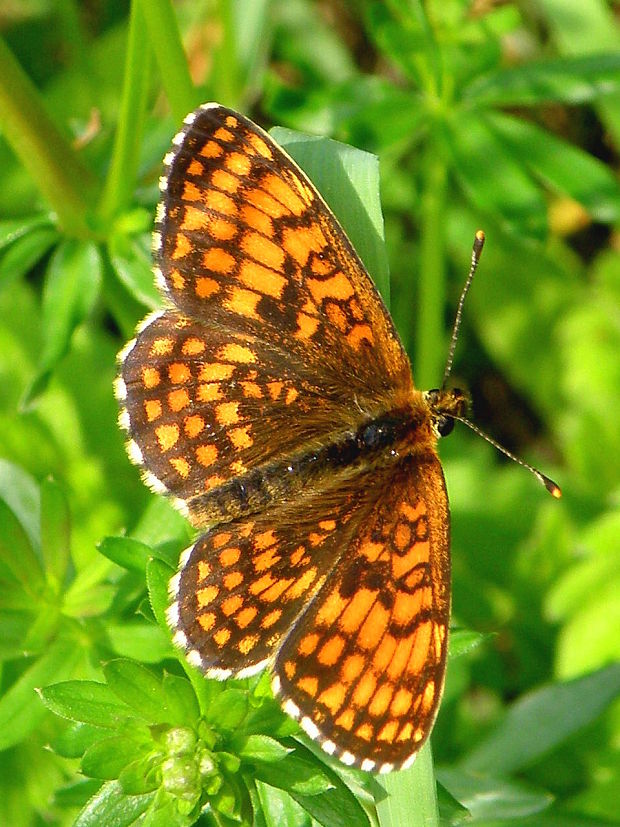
<point>504,116</point>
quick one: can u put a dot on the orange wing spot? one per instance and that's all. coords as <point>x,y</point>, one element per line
<point>265,203</point>
<point>196,168</point>
<point>298,556</point>
<point>264,582</point>
<point>211,150</point>
<point>309,685</point>
<point>238,163</point>
<point>373,627</point>
<point>218,260</point>
<point>204,570</point>
<point>162,346</point>
<point>265,539</point>
<point>193,346</point>
<point>388,732</point>
<point>256,220</point>
<point>333,697</point>
<point>215,371</point>
<point>206,454</point>
<point>205,287</point>
<point>315,539</point>
<point>191,192</point>
<point>352,617</point>
<point>274,389</point>
<point>402,536</point>
<point>227,413</point>
<point>150,377</point>
<point>241,437</point>
<point>381,700</point>
<point>290,667</point>
<point>221,637</point>
<point>299,242</point>
<point>336,287</point>
<point>152,409</point>
<point>236,353</point>
<point>207,621</point>
<point>251,390</point>
<point>291,395</point>
<point>179,373</point>
<point>419,652</point>
<point>230,556</point>
<point>281,191</point>
<point>232,580</point>
<point>219,202</point>
<point>428,697</point>
<point>331,650</point>
<point>384,653</point>
<point>276,591</point>
<point>261,279</point>
<point>336,316</point>
<point>401,703</point>
<point>259,145</point>
<point>308,644</point>
<point>182,247</point>
<point>246,644</point>
<point>193,426</point>
<point>302,585</point>
<point>245,616</point>
<point>195,218</point>
<point>222,230</point>
<point>359,334</point>
<point>412,513</point>
<point>366,732</point>
<point>327,525</point>
<point>213,482</point>
<point>271,618</point>
<point>243,302</point>
<point>267,560</point>
<point>408,606</point>
<point>178,399</point>
<point>352,668</point>
<point>181,466</point>
<point>178,282</point>
<point>206,595</point>
<point>439,634</point>
<point>221,539</point>
<point>167,436</point>
<point>405,650</point>
<point>231,604</point>
<point>355,310</point>
<point>307,326</point>
<point>364,690</point>
<point>406,732</point>
<point>263,250</point>
<point>238,467</point>
<point>331,609</point>
<point>231,121</point>
<point>222,134</point>
<point>223,180</point>
<point>208,392</point>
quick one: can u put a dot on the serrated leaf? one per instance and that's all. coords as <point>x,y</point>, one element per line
<point>126,552</point>
<point>158,576</point>
<point>261,748</point>
<point>86,701</point>
<point>112,807</point>
<point>462,641</point>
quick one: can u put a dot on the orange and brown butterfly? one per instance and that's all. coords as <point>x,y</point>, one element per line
<point>273,399</point>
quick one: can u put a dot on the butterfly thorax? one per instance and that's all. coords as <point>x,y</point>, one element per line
<point>378,440</point>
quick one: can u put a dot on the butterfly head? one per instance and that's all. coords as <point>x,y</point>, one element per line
<point>446,406</point>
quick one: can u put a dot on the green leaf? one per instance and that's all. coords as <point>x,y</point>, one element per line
<point>181,701</point>
<point>486,797</point>
<point>158,576</point>
<point>279,808</point>
<point>570,80</point>
<point>108,757</point>
<point>564,167</point>
<point>24,253</point>
<point>132,261</point>
<point>112,807</point>
<point>228,710</point>
<point>348,179</point>
<point>18,562</point>
<point>21,493</point>
<point>55,533</point>
<point>13,229</point>
<point>21,710</point>
<point>541,720</point>
<point>71,289</point>
<point>75,739</point>
<point>463,641</point>
<point>86,701</point>
<point>261,748</point>
<point>141,641</point>
<point>139,688</point>
<point>296,775</point>
<point>126,552</point>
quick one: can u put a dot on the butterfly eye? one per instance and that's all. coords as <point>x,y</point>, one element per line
<point>444,425</point>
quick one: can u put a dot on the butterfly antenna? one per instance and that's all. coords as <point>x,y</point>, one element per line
<point>476,252</point>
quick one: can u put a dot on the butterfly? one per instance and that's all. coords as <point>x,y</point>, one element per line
<point>273,400</point>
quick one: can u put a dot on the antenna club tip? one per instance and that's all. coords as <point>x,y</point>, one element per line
<point>480,236</point>
<point>552,488</point>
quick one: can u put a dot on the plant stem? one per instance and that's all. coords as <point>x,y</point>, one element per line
<point>411,795</point>
<point>66,184</point>
<point>163,31</point>
<point>429,328</point>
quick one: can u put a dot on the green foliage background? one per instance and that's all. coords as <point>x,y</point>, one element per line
<point>505,117</point>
